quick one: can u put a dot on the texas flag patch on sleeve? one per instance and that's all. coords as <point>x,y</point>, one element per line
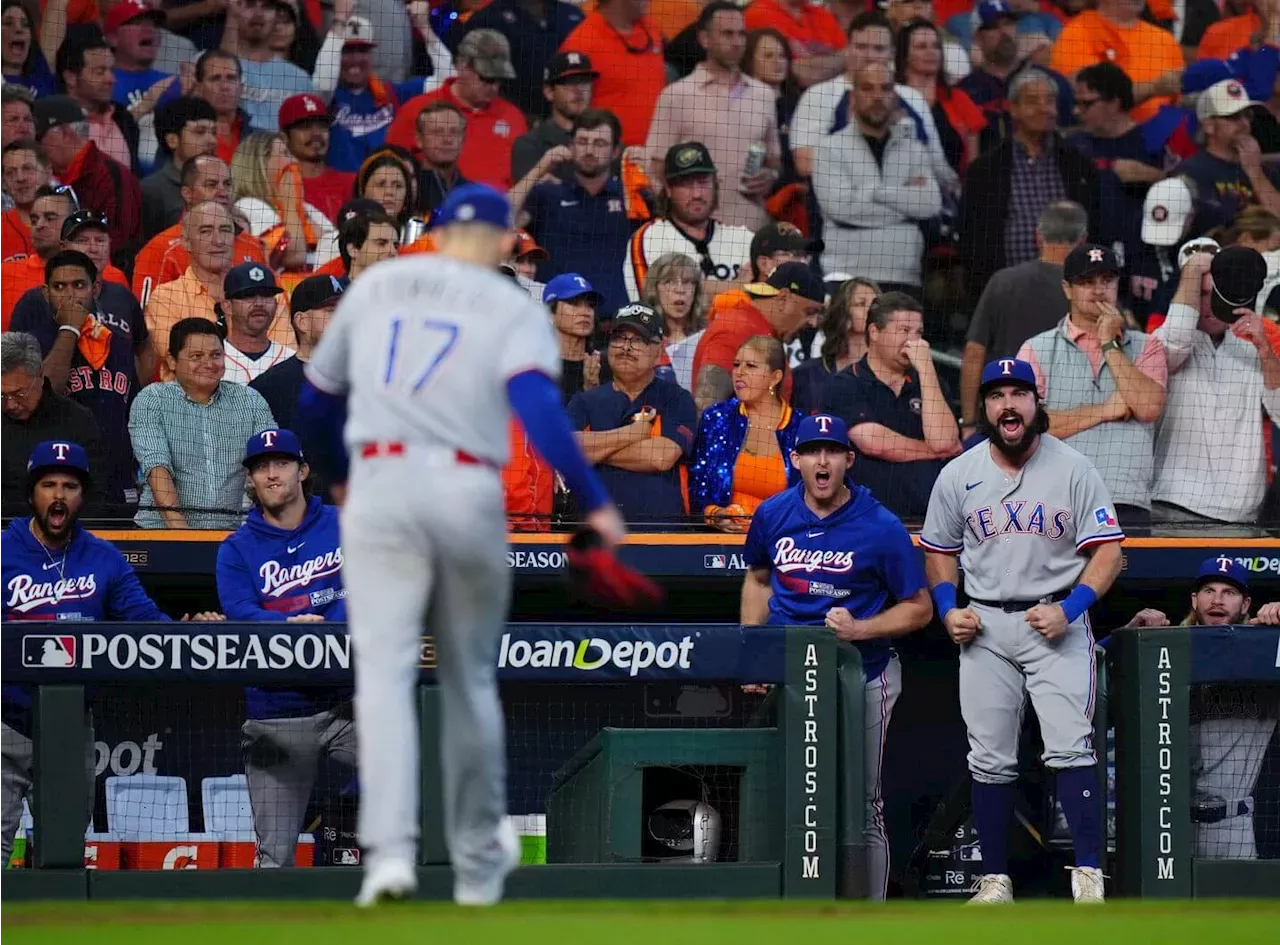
<point>1104,516</point>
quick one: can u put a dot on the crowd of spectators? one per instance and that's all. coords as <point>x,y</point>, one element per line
<point>736,215</point>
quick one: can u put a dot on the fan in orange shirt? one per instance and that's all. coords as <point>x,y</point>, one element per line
<point>625,46</point>
<point>1223,38</point>
<point>26,170</point>
<point>1149,55</point>
<point>164,258</point>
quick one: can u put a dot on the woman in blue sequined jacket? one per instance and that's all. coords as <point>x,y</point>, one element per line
<point>742,454</point>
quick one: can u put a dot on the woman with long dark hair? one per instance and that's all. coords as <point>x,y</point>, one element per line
<point>918,59</point>
<point>21,60</point>
<point>844,342</point>
<point>768,60</point>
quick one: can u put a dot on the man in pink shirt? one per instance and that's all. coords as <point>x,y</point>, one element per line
<point>728,112</point>
<point>1102,385</point>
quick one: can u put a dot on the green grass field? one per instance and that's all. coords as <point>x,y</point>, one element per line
<point>642,923</point>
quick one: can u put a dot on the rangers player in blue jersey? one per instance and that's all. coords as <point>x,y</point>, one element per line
<point>52,569</point>
<point>1032,524</point>
<point>825,553</point>
<point>285,564</point>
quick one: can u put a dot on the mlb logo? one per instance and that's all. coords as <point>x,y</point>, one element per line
<point>47,649</point>
<point>718,562</point>
<point>1104,516</point>
<point>346,856</point>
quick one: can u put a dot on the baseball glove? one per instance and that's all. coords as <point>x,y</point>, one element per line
<point>597,577</point>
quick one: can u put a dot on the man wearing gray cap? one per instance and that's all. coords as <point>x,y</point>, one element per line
<point>483,61</point>
<point>99,182</point>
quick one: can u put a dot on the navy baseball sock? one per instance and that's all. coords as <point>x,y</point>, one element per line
<point>1078,794</point>
<point>992,814</point>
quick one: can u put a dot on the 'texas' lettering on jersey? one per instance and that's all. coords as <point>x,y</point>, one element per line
<point>1018,517</point>
<point>26,594</point>
<point>278,578</point>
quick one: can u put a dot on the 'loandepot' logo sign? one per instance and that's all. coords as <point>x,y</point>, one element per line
<point>629,656</point>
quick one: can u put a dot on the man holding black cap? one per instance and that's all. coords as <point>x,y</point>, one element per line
<point>779,306</point>
<point>1102,385</point>
<point>861,579</point>
<point>1230,728</point>
<point>638,429</point>
<point>100,183</point>
<point>305,122</point>
<point>687,225</point>
<point>251,303</point>
<point>1210,460</point>
<point>567,88</point>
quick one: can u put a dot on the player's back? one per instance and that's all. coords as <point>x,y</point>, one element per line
<point>430,343</point>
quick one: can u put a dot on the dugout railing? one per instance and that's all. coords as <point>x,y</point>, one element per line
<point>1194,709</point>
<point>789,766</point>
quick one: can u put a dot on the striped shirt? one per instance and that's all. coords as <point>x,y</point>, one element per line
<point>202,445</point>
<point>1034,184</point>
<point>241,368</point>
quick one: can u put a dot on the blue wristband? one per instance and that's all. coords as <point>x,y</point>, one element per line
<point>1081,598</point>
<point>944,598</point>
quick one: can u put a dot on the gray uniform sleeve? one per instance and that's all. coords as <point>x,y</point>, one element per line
<point>1091,506</point>
<point>943,530</point>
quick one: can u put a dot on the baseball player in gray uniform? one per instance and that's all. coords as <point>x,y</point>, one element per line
<point>1231,725</point>
<point>431,354</point>
<point>1031,523</point>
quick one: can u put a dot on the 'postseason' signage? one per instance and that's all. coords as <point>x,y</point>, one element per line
<point>272,654</point>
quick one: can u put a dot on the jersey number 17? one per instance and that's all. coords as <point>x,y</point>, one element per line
<point>416,347</point>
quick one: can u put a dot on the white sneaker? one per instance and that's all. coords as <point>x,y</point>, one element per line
<point>489,891</point>
<point>387,880</point>
<point>994,887</point>
<point>1086,884</point>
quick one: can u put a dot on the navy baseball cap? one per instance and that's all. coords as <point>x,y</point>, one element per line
<point>1003,371</point>
<point>248,279</point>
<point>272,443</point>
<point>316,292</point>
<point>566,286</point>
<point>1088,260</point>
<point>475,203</point>
<point>58,454</point>
<point>990,12</point>
<point>1222,568</point>
<point>822,428</point>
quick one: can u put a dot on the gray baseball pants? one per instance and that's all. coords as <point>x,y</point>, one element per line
<point>424,545</point>
<point>280,761</point>
<point>1008,661</point>
<point>16,755</point>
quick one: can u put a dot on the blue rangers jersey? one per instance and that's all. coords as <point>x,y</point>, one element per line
<point>89,580</point>
<point>860,557</point>
<point>269,573</point>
